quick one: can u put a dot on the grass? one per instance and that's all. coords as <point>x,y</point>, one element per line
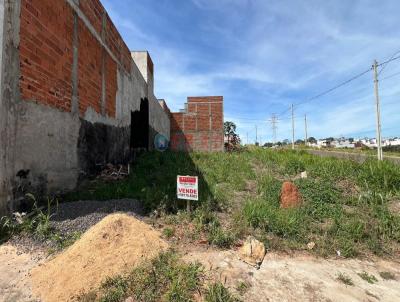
<point>37,224</point>
<point>168,232</point>
<point>345,279</point>
<point>165,278</point>
<point>367,277</point>
<point>345,206</point>
<point>217,292</point>
<point>243,287</point>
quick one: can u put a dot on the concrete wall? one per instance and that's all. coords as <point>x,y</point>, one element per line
<point>67,95</point>
<point>159,119</point>
<point>200,126</point>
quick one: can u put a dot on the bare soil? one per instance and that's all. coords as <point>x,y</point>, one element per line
<point>15,265</point>
<point>120,242</point>
<point>301,277</point>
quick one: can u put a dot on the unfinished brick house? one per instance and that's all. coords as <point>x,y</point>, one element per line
<point>199,126</point>
<point>73,97</point>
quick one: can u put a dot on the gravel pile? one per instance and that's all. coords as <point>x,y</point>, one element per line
<point>79,216</point>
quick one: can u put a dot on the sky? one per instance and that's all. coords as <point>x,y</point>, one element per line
<point>265,55</point>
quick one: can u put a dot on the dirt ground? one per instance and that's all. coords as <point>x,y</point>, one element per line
<point>15,265</point>
<point>280,278</point>
<point>301,277</point>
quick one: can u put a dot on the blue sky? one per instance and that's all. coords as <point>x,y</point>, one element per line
<point>264,55</point>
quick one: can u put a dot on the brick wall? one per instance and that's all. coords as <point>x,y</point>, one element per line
<point>200,127</point>
<point>46,55</point>
<point>46,52</point>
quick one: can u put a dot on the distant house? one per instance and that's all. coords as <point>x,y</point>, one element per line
<point>343,143</point>
<point>323,143</point>
<point>392,142</point>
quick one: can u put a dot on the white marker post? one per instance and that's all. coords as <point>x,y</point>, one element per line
<point>187,188</point>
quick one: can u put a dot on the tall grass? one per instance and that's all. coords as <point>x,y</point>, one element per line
<point>345,203</point>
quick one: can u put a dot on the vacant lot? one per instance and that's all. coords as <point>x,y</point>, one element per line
<point>349,209</point>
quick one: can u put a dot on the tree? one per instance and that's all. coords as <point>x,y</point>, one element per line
<point>229,130</point>
<point>299,142</point>
<point>312,140</point>
<point>233,139</point>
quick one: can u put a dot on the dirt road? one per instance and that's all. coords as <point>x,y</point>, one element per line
<point>358,157</point>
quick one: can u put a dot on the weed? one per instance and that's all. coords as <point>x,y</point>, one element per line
<point>387,275</point>
<point>169,232</point>
<point>345,279</point>
<point>243,287</point>
<point>367,277</point>
<point>218,236</point>
<point>217,292</point>
<point>64,241</point>
<point>165,278</point>
<point>334,218</point>
<point>37,223</point>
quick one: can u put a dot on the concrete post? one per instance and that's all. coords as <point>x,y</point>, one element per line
<point>9,85</point>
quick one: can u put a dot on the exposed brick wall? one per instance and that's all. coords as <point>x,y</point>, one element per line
<point>46,55</point>
<point>46,52</point>
<point>94,11</point>
<point>89,70</point>
<point>200,128</point>
<point>111,85</point>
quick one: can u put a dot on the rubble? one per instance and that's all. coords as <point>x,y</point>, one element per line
<point>114,172</point>
<point>252,252</point>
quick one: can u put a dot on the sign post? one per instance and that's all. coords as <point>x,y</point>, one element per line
<point>187,188</point>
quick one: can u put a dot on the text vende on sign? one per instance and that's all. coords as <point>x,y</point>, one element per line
<point>188,187</point>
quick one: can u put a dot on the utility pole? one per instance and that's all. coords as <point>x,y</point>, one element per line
<point>292,127</point>
<point>378,112</point>
<point>305,128</point>
<point>256,136</point>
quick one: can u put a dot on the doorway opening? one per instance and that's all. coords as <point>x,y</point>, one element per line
<point>140,127</point>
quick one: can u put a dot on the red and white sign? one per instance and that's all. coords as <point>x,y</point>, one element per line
<point>188,187</point>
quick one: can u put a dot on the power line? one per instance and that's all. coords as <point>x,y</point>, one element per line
<point>335,87</point>
<point>392,58</point>
<point>390,76</point>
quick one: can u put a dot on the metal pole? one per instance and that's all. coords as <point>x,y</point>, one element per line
<point>256,136</point>
<point>378,112</point>
<point>305,126</point>
<point>292,127</point>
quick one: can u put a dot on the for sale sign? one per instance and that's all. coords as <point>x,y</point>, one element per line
<point>188,187</point>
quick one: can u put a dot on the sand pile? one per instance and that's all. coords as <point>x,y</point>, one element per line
<point>112,246</point>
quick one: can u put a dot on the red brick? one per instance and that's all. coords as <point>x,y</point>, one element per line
<point>192,130</point>
<point>45,45</point>
<point>89,71</point>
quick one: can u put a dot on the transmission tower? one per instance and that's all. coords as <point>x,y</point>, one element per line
<point>274,122</point>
